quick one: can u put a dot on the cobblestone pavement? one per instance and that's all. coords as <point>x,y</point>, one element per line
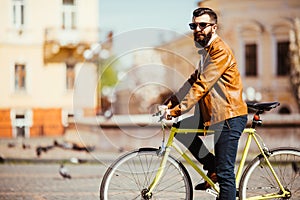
<point>29,181</point>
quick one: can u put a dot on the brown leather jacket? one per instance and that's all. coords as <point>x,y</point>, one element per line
<point>217,89</point>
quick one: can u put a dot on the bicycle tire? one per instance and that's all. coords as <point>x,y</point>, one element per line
<point>134,171</point>
<point>257,179</point>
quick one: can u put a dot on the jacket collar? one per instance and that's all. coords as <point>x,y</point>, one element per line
<point>212,39</point>
<point>209,45</point>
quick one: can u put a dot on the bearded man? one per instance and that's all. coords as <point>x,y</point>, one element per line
<point>214,90</point>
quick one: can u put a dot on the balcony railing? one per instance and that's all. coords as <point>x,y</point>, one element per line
<point>63,44</point>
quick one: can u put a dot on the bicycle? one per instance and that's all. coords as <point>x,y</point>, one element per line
<point>151,173</point>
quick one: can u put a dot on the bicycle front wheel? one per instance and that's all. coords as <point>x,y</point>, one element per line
<point>133,173</point>
<point>258,182</point>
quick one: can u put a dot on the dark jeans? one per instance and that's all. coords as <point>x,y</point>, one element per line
<point>226,140</point>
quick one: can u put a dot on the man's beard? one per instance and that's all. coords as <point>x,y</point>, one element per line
<point>201,42</point>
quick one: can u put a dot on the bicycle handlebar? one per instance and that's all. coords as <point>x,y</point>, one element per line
<point>160,115</point>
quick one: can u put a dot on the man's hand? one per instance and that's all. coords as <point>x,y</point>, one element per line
<point>165,112</point>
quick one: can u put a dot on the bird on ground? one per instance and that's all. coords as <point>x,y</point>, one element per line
<point>63,171</point>
<point>41,149</point>
<point>25,146</point>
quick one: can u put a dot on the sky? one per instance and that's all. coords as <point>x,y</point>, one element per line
<point>126,15</point>
<point>137,24</point>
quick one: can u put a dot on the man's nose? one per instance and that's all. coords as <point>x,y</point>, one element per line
<point>199,29</point>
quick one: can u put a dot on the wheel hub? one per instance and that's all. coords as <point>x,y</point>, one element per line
<point>145,194</point>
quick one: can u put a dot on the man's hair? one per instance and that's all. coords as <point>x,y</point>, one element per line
<point>201,11</point>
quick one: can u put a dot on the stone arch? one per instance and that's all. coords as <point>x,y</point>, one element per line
<point>281,28</point>
<point>284,110</point>
<point>250,29</point>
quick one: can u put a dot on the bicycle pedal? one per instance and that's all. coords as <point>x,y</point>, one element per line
<point>211,192</point>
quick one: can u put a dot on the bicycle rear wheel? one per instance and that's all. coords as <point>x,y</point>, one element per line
<point>132,173</point>
<point>257,179</point>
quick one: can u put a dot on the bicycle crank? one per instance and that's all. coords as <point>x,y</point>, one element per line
<point>287,194</point>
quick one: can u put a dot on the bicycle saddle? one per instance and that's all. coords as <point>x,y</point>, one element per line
<point>263,106</point>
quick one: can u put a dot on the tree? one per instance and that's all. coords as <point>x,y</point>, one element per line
<point>295,59</point>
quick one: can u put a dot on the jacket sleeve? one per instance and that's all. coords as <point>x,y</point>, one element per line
<point>214,67</point>
<point>175,99</point>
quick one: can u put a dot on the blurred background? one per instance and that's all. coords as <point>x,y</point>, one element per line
<point>64,62</point>
<point>81,78</point>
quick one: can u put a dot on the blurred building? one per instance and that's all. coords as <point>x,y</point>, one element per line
<point>259,34</point>
<point>43,48</point>
<point>49,54</point>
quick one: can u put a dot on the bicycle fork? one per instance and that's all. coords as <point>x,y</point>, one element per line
<point>147,193</point>
<point>164,152</point>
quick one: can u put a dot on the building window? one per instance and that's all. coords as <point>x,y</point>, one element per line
<point>283,64</point>
<point>70,76</point>
<point>68,14</point>
<point>18,13</point>
<point>20,77</point>
<point>251,59</point>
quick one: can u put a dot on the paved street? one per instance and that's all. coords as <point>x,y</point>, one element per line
<point>42,181</point>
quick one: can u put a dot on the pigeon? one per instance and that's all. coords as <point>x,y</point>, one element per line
<point>41,149</point>
<point>63,171</point>
<point>25,146</point>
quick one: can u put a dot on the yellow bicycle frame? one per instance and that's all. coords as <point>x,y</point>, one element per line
<point>251,135</point>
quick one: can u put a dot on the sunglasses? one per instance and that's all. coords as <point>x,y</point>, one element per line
<point>201,25</point>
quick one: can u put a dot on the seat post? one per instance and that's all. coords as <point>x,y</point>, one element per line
<point>256,121</point>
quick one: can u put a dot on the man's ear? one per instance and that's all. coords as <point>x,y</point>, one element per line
<point>215,27</point>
